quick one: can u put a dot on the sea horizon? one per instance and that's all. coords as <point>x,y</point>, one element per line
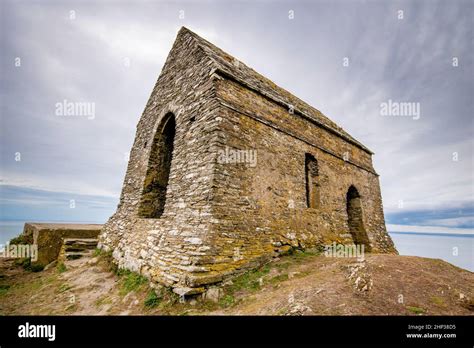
<point>455,248</point>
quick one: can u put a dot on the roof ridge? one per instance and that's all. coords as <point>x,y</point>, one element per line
<point>249,77</point>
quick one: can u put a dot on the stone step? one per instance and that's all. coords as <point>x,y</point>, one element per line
<point>76,248</point>
<point>79,244</point>
<point>77,255</point>
<point>80,240</point>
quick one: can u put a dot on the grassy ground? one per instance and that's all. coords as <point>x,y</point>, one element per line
<point>297,284</point>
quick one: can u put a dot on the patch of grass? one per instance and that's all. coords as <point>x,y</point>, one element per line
<point>18,262</point>
<point>282,266</point>
<point>102,301</point>
<point>170,298</point>
<point>208,306</point>
<point>103,253</point>
<point>299,255</point>
<point>35,285</point>
<point>36,268</point>
<point>23,262</point>
<point>301,274</point>
<point>64,287</point>
<point>50,279</point>
<point>152,300</point>
<point>131,281</point>
<point>61,267</point>
<point>438,301</point>
<point>416,310</point>
<point>4,289</point>
<point>166,302</point>
<point>279,278</point>
<point>248,281</point>
<point>27,265</point>
<point>107,258</point>
<point>227,301</point>
<point>21,239</point>
<point>253,280</point>
<point>71,308</point>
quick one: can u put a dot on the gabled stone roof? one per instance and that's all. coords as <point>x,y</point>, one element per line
<point>229,67</point>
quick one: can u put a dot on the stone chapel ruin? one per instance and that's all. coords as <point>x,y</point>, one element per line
<point>193,210</point>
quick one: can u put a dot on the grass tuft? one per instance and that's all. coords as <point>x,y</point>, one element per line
<point>248,281</point>
<point>152,300</point>
<point>4,289</point>
<point>131,281</point>
<point>227,301</point>
<point>61,267</point>
<point>416,310</point>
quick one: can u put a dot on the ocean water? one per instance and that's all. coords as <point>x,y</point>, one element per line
<point>455,249</point>
<point>10,229</point>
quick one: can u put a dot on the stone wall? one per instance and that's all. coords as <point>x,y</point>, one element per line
<point>262,209</point>
<point>49,237</point>
<point>221,217</point>
<point>166,249</point>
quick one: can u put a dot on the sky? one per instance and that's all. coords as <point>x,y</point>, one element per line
<point>347,58</point>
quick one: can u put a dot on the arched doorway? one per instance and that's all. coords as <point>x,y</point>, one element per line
<point>355,218</point>
<point>155,185</point>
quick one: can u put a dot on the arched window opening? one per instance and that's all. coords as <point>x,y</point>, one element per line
<point>312,181</point>
<point>355,218</point>
<point>153,198</point>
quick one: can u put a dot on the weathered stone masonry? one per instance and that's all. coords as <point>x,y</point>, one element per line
<point>188,220</point>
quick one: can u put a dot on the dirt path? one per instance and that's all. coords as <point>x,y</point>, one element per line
<point>84,286</point>
<point>381,285</point>
<point>92,288</point>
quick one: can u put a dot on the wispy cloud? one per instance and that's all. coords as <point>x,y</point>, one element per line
<point>19,203</point>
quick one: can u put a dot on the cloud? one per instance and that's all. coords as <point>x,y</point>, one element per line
<point>453,222</point>
<point>402,60</point>
<point>26,204</point>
